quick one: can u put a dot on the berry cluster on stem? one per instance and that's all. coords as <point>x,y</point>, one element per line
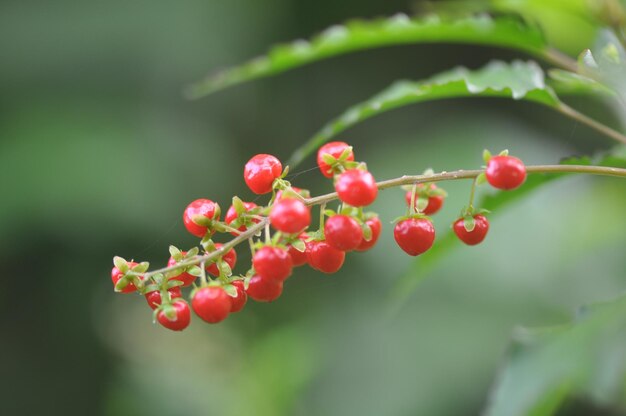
<point>281,238</point>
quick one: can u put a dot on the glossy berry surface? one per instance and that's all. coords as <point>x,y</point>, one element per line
<point>324,258</point>
<point>154,298</point>
<point>376,227</point>
<point>290,215</point>
<point>477,235</point>
<point>200,207</point>
<point>116,275</point>
<point>335,149</point>
<point>272,263</point>
<point>230,258</point>
<point>240,301</point>
<point>264,290</point>
<point>414,235</point>
<point>356,187</point>
<point>180,321</point>
<point>435,202</point>
<point>343,232</point>
<point>184,277</point>
<point>298,258</point>
<point>231,215</point>
<point>212,304</point>
<point>505,172</point>
<point>260,173</point>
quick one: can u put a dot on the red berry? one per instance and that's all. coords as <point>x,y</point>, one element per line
<point>434,202</point>
<point>290,215</point>
<point>343,232</point>
<point>116,275</point>
<point>264,290</point>
<point>203,207</point>
<point>505,172</point>
<point>260,173</point>
<point>154,298</point>
<point>335,149</point>
<point>238,302</point>
<point>211,303</point>
<point>324,258</point>
<point>184,277</point>
<point>376,227</point>
<point>181,320</point>
<point>230,258</point>
<point>477,235</point>
<point>298,258</point>
<point>414,235</point>
<point>356,187</point>
<point>272,263</point>
<point>231,215</point>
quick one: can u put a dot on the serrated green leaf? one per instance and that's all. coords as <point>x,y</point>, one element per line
<point>397,30</point>
<point>517,80</point>
<point>121,264</point>
<point>544,366</point>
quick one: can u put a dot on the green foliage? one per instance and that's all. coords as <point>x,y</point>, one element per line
<point>545,366</point>
<point>361,34</point>
<point>518,80</point>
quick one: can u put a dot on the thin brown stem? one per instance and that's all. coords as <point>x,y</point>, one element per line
<point>570,112</point>
<point>391,183</point>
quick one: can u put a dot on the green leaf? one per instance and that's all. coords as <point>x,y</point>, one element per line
<point>175,253</point>
<point>421,203</point>
<point>517,80</point>
<point>240,208</point>
<point>481,179</point>
<point>192,252</point>
<point>141,267</point>
<point>495,203</point>
<point>359,35</point>
<point>299,245</point>
<point>545,366</point>
<point>224,267</point>
<point>367,231</point>
<point>195,271</point>
<point>230,290</point>
<point>486,156</point>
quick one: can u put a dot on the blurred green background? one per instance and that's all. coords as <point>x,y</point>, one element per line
<point>99,155</point>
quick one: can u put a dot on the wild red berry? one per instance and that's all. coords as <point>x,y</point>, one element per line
<point>290,215</point>
<point>477,235</point>
<point>272,263</point>
<point>200,207</point>
<point>376,227</point>
<point>184,277</point>
<point>211,303</point>
<point>505,172</point>
<point>238,302</point>
<point>181,319</point>
<point>356,187</point>
<point>334,149</point>
<point>231,216</point>
<point>154,298</point>
<point>116,275</point>
<point>230,258</point>
<point>435,202</point>
<point>260,173</point>
<point>324,258</point>
<point>264,290</point>
<point>343,232</point>
<point>414,235</point>
<point>298,258</point>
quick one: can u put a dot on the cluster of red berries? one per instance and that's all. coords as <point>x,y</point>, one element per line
<point>292,244</point>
